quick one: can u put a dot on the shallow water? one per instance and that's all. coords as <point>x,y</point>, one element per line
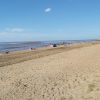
<point>14,46</point>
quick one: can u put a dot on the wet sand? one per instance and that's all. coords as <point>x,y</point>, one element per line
<point>66,75</point>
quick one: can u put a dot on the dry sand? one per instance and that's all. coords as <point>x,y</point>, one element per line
<point>69,75</point>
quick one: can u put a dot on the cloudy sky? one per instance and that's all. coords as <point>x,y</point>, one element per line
<point>29,20</point>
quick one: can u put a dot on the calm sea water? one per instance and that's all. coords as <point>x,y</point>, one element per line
<point>14,46</point>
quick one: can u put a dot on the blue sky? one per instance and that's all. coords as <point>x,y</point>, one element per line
<point>29,20</point>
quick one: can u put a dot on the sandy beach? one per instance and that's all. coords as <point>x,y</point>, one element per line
<point>53,74</point>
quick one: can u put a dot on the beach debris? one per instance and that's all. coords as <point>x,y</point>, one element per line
<point>7,52</point>
<point>33,48</point>
<point>54,45</point>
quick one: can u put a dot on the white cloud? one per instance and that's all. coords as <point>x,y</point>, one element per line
<point>14,30</point>
<point>11,31</point>
<point>17,30</point>
<point>48,10</point>
<point>2,33</point>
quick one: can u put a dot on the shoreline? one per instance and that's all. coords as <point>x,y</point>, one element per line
<point>22,48</point>
<point>24,55</point>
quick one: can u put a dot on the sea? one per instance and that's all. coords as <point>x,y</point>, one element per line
<point>16,46</point>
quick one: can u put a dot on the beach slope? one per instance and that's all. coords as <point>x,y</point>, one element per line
<point>69,75</point>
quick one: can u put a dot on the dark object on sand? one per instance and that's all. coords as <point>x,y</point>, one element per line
<point>7,52</point>
<point>32,48</point>
<point>54,45</point>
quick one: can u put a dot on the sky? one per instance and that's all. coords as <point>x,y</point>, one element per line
<point>40,20</point>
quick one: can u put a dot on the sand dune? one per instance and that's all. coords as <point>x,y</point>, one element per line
<point>69,75</point>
